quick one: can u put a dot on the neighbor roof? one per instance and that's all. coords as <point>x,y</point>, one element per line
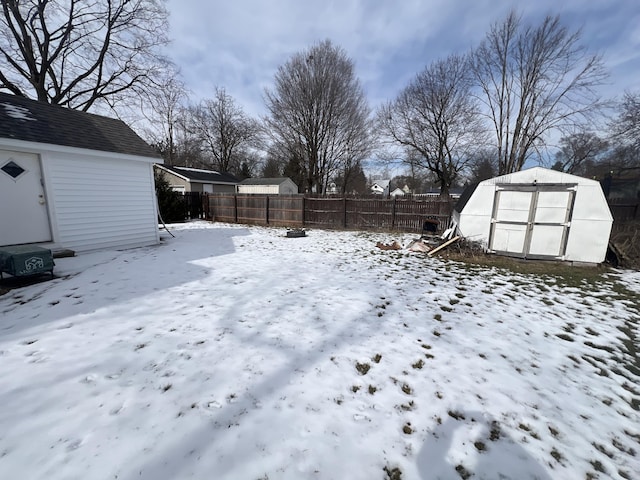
<point>34,121</point>
<point>201,176</point>
<point>265,181</point>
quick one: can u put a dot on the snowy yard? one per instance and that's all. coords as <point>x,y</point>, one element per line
<point>232,352</point>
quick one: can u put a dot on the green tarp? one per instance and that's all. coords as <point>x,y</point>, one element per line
<point>24,260</point>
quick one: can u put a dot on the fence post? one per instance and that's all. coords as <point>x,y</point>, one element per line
<point>344,211</point>
<point>266,209</point>
<point>235,208</point>
<point>393,213</point>
<point>303,210</point>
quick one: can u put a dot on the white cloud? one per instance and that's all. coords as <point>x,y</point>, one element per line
<point>240,44</point>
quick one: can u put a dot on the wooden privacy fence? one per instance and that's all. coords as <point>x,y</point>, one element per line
<point>329,212</point>
<point>625,209</point>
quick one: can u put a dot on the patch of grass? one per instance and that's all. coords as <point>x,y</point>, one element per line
<point>456,415</point>
<point>418,365</point>
<point>445,308</point>
<point>454,301</point>
<point>598,467</point>
<point>362,368</point>
<point>140,346</point>
<point>602,449</point>
<point>406,389</point>
<point>372,389</point>
<point>463,472</point>
<point>377,358</point>
<point>425,346</point>
<point>406,429</point>
<point>166,388</point>
<point>407,407</point>
<point>355,388</point>
<point>428,356</point>
<point>557,455</point>
<point>393,473</point>
<point>436,333</point>
<point>480,446</point>
<point>494,433</point>
<point>565,337</point>
<point>437,317</point>
<point>600,347</point>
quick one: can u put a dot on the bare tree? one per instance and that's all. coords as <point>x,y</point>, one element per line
<point>435,118</point>
<point>578,149</point>
<point>318,113</point>
<point>626,128</point>
<point>534,79</point>
<point>79,52</point>
<point>165,115</point>
<point>227,134</point>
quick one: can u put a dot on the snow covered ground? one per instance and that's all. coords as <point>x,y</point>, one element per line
<point>233,352</point>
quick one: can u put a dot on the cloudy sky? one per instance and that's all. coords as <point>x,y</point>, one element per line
<point>239,44</point>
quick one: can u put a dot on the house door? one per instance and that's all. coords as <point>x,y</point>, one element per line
<point>23,209</point>
<point>531,221</point>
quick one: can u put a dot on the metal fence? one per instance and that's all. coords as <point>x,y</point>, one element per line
<point>329,212</point>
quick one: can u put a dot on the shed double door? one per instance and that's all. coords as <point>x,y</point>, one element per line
<point>23,210</point>
<point>531,221</point>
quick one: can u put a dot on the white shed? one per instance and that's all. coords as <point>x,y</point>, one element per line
<point>69,179</point>
<point>537,213</point>
<point>268,186</point>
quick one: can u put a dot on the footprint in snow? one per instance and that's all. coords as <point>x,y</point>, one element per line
<point>116,410</point>
<point>358,417</point>
<point>90,379</point>
<point>74,444</point>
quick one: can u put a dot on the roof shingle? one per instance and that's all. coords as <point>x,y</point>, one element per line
<point>33,121</point>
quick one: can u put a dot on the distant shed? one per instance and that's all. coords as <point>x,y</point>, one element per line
<point>268,186</point>
<point>537,214</point>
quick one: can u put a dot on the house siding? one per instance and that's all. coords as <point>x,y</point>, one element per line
<point>101,202</point>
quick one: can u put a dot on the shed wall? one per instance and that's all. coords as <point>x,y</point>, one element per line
<point>100,202</point>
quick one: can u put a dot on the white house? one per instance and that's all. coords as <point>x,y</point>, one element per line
<point>380,187</point>
<point>537,213</point>
<point>69,179</point>
<point>184,179</point>
<point>268,186</point>
<point>397,192</point>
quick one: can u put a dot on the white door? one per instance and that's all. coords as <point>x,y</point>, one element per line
<point>23,209</point>
<point>531,220</point>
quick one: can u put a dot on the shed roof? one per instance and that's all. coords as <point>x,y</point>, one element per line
<point>40,122</point>
<point>201,176</point>
<point>265,181</point>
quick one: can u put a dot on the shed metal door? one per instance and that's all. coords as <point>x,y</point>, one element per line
<point>23,209</point>
<point>531,221</point>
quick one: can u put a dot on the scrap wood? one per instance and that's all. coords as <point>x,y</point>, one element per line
<point>444,245</point>
<point>418,246</point>
<point>391,246</point>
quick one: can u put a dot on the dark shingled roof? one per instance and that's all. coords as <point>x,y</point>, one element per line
<point>265,181</point>
<point>202,176</point>
<point>33,121</point>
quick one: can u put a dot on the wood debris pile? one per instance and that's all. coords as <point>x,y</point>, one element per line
<point>429,245</point>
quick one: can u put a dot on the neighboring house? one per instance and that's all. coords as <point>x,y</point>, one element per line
<point>268,186</point>
<point>70,179</point>
<point>184,179</point>
<point>380,187</point>
<point>537,213</point>
<point>398,192</point>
